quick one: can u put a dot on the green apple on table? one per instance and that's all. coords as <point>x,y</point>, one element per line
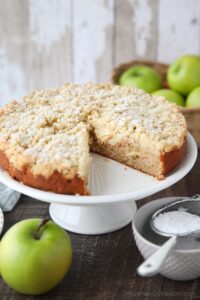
<point>193,99</point>
<point>142,77</point>
<point>170,96</point>
<point>184,74</point>
<point>35,255</point>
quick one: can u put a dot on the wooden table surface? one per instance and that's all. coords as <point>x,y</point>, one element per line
<point>104,266</point>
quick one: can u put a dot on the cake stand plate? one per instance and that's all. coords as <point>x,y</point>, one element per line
<point>114,190</point>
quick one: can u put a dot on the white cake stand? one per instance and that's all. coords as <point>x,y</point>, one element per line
<point>114,188</point>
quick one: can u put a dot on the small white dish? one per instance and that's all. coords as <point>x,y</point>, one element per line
<point>183,263</point>
<point>114,188</point>
<point>1,220</point>
<point>8,197</point>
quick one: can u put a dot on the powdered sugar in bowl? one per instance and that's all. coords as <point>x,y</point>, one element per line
<point>183,263</point>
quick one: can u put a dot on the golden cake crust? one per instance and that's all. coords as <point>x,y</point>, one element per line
<point>56,183</point>
<point>172,158</point>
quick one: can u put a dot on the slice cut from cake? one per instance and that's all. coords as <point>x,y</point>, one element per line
<point>45,139</point>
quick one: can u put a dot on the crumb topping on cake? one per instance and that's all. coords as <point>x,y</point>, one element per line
<point>49,129</point>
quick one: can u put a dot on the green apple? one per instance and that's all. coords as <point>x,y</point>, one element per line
<point>170,96</point>
<point>193,99</point>
<point>184,74</point>
<point>142,77</point>
<point>35,255</point>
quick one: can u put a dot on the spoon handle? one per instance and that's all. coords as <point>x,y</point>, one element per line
<point>152,264</point>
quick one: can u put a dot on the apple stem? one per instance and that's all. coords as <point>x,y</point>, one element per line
<point>41,224</point>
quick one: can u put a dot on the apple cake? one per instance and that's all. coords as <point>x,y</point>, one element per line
<point>45,138</point>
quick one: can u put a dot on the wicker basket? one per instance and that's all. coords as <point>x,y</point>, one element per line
<point>192,115</point>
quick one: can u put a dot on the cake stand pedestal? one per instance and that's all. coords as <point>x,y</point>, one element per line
<point>93,219</point>
<point>114,190</point>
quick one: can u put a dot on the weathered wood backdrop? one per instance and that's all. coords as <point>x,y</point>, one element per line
<point>47,42</point>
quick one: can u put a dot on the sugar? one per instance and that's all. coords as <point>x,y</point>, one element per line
<point>177,222</point>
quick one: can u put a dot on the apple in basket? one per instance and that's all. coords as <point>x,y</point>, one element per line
<point>35,255</point>
<point>184,74</point>
<point>193,99</point>
<point>170,96</point>
<point>142,77</point>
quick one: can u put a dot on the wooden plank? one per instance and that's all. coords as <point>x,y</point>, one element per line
<point>13,24</point>
<point>92,39</point>
<point>135,30</point>
<point>35,49</point>
<point>179,29</point>
<point>50,28</point>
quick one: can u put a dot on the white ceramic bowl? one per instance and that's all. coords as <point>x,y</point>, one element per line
<point>181,264</point>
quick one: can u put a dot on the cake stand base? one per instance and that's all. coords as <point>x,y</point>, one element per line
<point>93,219</point>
